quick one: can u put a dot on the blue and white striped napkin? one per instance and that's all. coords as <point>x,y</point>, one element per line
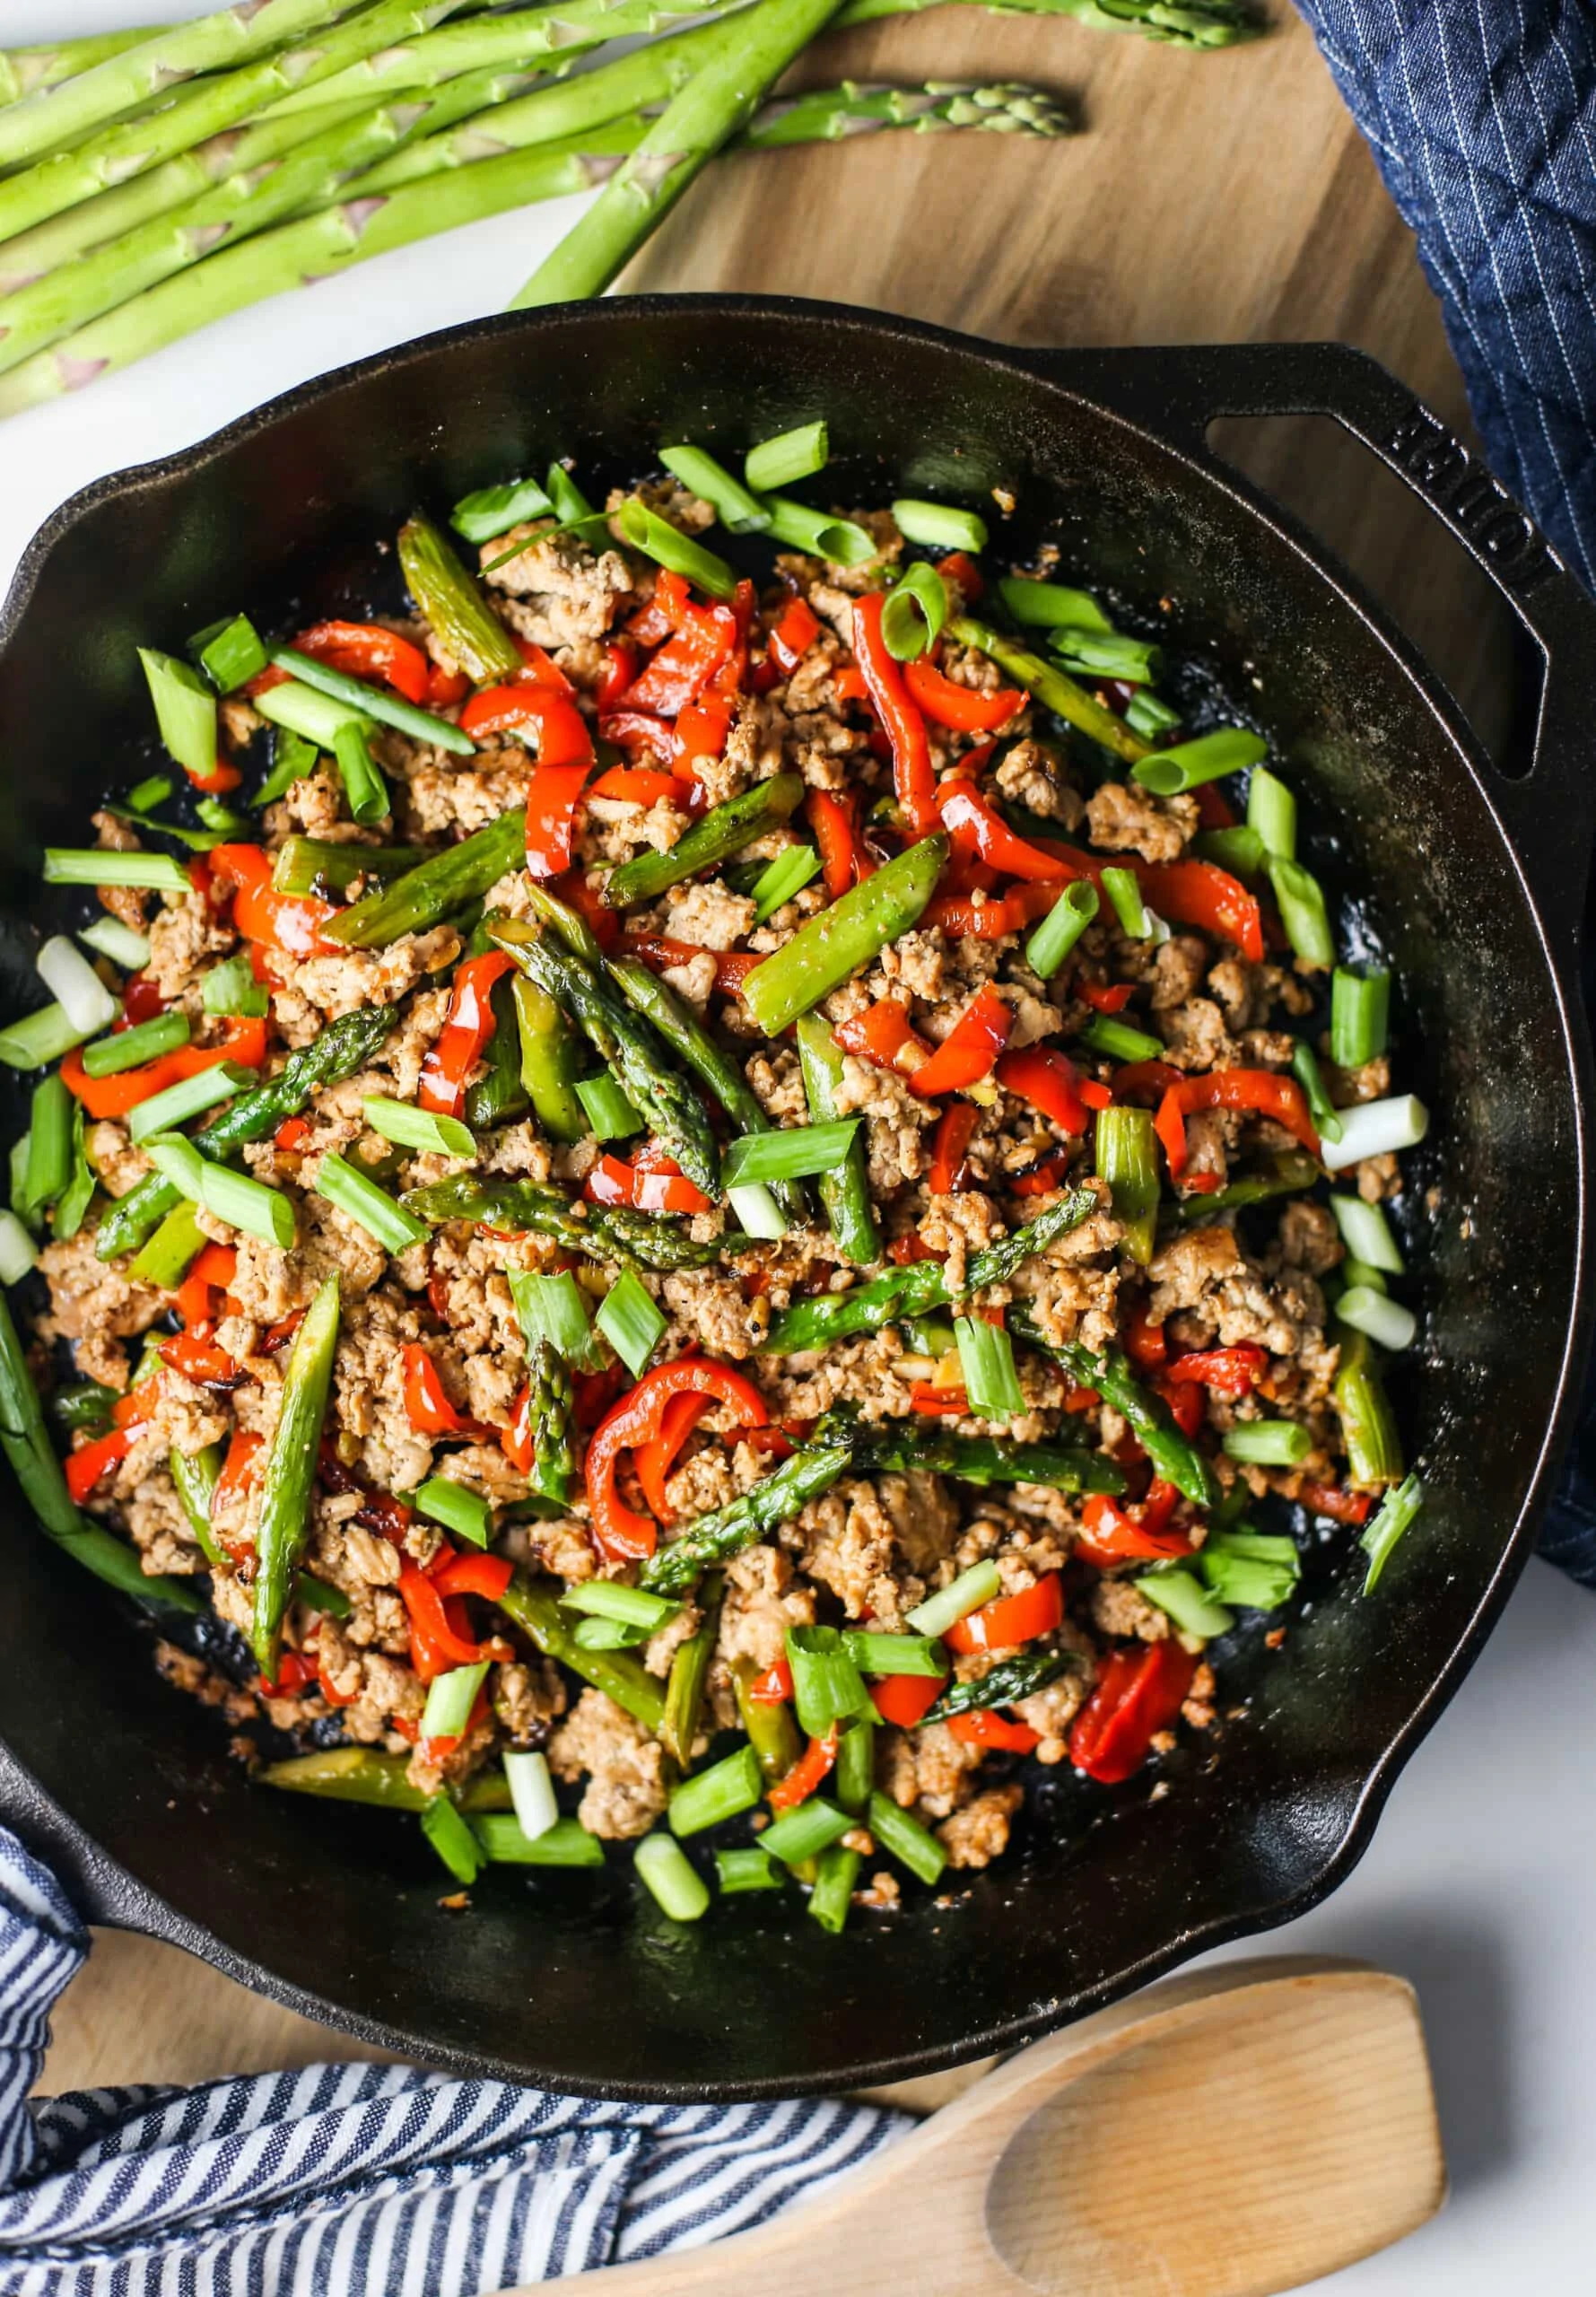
<point>362,2181</point>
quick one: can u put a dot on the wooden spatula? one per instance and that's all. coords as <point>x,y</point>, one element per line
<point>1229,2133</point>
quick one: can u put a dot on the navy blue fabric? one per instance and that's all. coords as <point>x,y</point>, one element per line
<point>1482,118</point>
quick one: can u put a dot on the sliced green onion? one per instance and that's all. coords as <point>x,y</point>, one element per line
<point>109,938</point>
<point>725,1791</point>
<point>1255,1571</point>
<point>1377,1129</point>
<point>313,1591</point>
<point>72,1206</point>
<point>1118,1041</point>
<point>1207,759</point>
<point>368,701</point>
<point>180,1162</point>
<point>1125,894</point>
<point>797,1152</point>
<point>450,1701</point>
<point>986,1356</point>
<point>363,785</point>
<point>452,1839</point>
<point>1138,661</point>
<point>915,611</point>
<point>131,1048</point>
<point>572,508</point>
<point>49,1146</point>
<point>164,1260</point>
<point>245,1203</point>
<point>233,989</point>
<point>1126,1158</point>
<point>610,1114</point>
<point>17,1251</point>
<point>1239,849</point>
<point>668,547</point>
<point>464,1513</point>
<point>1182,1596</point>
<point>218,817</point>
<point>38,1037</point>
<point>1360,1014</point>
<point>740,513</point>
<point>856,1763</point>
<point>786,874</point>
<point>412,1128</point>
<point>292,758</point>
<point>1384,1319</point>
<point>1146,714</point>
<point>1385,1527</point>
<point>230,654</point>
<point>165,1111</point>
<point>18,1165</point>
<point>629,1320</point>
<point>154,790</point>
<point>73,982</point>
<point>505,1842</point>
<point>671,1878</point>
<point>758,1212</point>
<point>836,1872</point>
<point>894,1655</point>
<point>783,460</point>
<point>902,1835</point>
<point>1366,1233</point>
<point>185,712</point>
<point>839,541</point>
<point>804,1833</point>
<point>608,1599</point>
<point>76,865</point>
<point>1368,1424</point>
<point>1051,606</point>
<point>607,1634</point>
<point>745,1870</point>
<point>1305,1068</point>
<point>972,1588</point>
<point>1271,811</point>
<point>371,1208</point>
<point>532,1791</point>
<point>1359,1272</point>
<point>305,710</point>
<point>1268,1443</point>
<point>939,526</point>
<point>1062,928</point>
<point>493,510</point>
<point>555,1308</point>
<point>826,1685</point>
<point>1303,912</point>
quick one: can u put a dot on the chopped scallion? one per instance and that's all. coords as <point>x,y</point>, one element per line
<point>826,1685</point>
<point>185,712</point>
<point>745,1870</point>
<point>979,1585</point>
<point>1149,715</point>
<point>292,758</point>
<point>465,1514</point>
<point>230,654</point>
<point>1268,1443</point>
<point>839,541</point>
<point>1366,1233</point>
<point>1126,1158</point>
<point>804,1833</point>
<point>1385,1321</point>
<point>1303,912</point>
<point>506,1843</point>
<point>608,1599</point>
<point>572,508</point>
<point>17,1251</point>
<point>109,938</point>
<point>532,1791</point>
<point>915,611</point>
<point>1208,757</point>
<point>165,1111</point>
<point>1360,1014</point>
<point>1385,1527</point>
<point>1305,1068</point>
<point>49,1146</point>
<point>631,1321</point>
<point>368,701</point>
<point>1272,812</point>
<point>164,1260</point>
<point>369,1207</point>
<point>1125,894</point>
<point>894,1655</point>
<point>902,1837</point>
<point>786,874</point>
<point>836,1872</point>
<point>1118,1041</point>
<point>1182,1595</point>
<point>1136,661</point>
<point>554,1308</point>
<point>1051,606</point>
<point>795,1152</point>
<point>1239,849</point>
<point>450,1701</point>
<point>1062,928</point>
<point>233,989</point>
<point>709,1797</point>
<point>412,1128</point>
<point>131,1048</point>
<point>363,785</point>
<point>668,547</point>
<point>939,525</point>
<point>1377,1129</point>
<point>1254,1571</point>
<point>790,456</point>
<point>986,1356</point>
<point>739,511</point>
<point>493,510</point>
<point>71,979</point>
<point>610,1114</point>
<point>671,1879</point>
<point>38,1037</point>
<point>94,865</point>
<point>452,1839</point>
<point>856,1763</point>
<point>154,790</point>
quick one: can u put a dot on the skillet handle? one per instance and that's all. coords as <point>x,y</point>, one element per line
<point>1176,392</point>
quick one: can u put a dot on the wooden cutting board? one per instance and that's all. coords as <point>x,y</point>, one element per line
<point>1224,197</point>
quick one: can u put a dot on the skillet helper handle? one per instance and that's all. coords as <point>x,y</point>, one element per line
<point>1178,392</point>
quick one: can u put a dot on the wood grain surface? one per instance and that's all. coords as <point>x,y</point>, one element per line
<point>1221,196</point>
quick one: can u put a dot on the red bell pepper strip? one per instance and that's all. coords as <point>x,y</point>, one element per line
<point>1048,1079</point>
<point>1140,1076</point>
<point>905,1699</point>
<point>960,708</point>
<point>1111,1534</point>
<point>1104,996</point>
<point>637,733</point>
<point>1010,1619</point>
<point>807,1774</point>
<point>474,1574</point>
<point>602,922</point>
<point>634,785</point>
<point>1336,1501</point>
<point>703,642</point>
<point>882,1034</point>
<point>959,915</point>
<point>851,683</point>
<point>213,1271</point>
<point>113,1097</point>
<point>427,1406</point>
<point>227,1500</point>
<point>613,1180</point>
<point>914,780</point>
<point>1228,1371</point>
<point>937,1403</point>
<point>289,922</point>
<point>732,967</point>
<point>90,1461</point>
<point>959,567</point>
<point>291,1133</point>
<point>1257,1090</point>
<point>773,1686</point>
<point>564,735</point>
<point>554,796</point>
<point>1139,1692</point>
<point>1185,1401</point>
<point>620,1531</point>
<point>793,635</point>
<point>842,856</point>
<point>435,1644</point>
<point>1213,808</point>
<point>703,729</point>
<point>465,1031</point>
<point>978,832</point>
<point>1201,893</point>
<point>200,1361</point>
<point>979,1727</point>
<point>365,650</point>
<point>294,1674</point>
<point>968,1052</point>
<point>620,668</point>
<point>950,1170</point>
<point>516,1441</point>
<point>1146,1343</point>
<point>141,999</point>
<point>445,687</point>
<point>654,1460</point>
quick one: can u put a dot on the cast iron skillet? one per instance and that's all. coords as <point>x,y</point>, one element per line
<point>123,1783</point>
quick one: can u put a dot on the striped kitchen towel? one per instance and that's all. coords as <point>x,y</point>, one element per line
<point>357,2180</point>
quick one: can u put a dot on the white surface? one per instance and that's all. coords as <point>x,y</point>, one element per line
<point>1481,1884</point>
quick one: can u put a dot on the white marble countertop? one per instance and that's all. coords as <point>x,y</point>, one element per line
<point>1481,1882</point>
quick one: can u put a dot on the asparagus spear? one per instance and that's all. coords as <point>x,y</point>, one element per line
<point>1001,1685</point>
<point>26,1442</point>
<point>29,71</point>
<point>901,1446</point>
<point>612,1232</point>
<point>499,1096</point>
<point>845,936</point>
<point>689,1672</point>
<point>724,830</point>
<point>336,1053</point>
<point>290,1471</point>
<point>827,115</point>
<point>1285,1175</point>
<point>772,1732</point>
<point>451,603</point>
<point>632,1046</point>
<point>535,1610</point>
<point>554,1454</point>
<point>1368,1424</point>
<point>195,1475</point>
<point>845,1193</point>
<point>435,889</point>
<point>811,1470</point>
<point>112,153</point>
<point>1054,688</point>
<point>715,103</point>
<point>315,864</point>
<point>363,1775</point>
<point>551,1061</point>
<point>1174,1456</point>
<point>1189,23</point>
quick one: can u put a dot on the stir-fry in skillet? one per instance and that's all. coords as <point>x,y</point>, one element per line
<point>719,1192</point>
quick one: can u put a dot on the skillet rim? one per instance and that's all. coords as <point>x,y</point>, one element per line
<point>112,1895</point>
